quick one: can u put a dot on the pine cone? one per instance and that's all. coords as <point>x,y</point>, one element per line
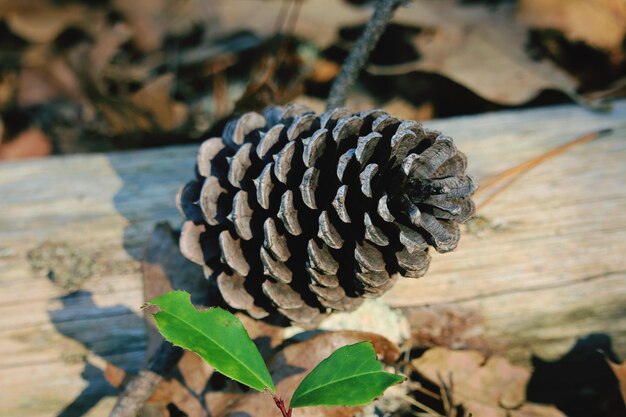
<point>299,215</point>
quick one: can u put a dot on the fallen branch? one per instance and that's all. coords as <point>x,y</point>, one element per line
<point>140,388</point>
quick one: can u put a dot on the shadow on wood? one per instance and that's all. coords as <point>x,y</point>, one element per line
<point>102,341</point>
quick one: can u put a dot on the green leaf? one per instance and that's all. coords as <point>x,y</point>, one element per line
<point>216,335</point>
<point>350,376</point>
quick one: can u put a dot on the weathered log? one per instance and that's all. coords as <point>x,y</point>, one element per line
<point>542,265</point>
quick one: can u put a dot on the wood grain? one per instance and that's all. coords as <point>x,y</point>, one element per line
<point>544,264</point>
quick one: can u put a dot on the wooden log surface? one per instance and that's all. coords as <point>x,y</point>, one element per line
<point>544,263</point>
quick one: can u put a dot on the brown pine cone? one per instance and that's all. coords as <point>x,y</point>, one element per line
<point>298,214</point>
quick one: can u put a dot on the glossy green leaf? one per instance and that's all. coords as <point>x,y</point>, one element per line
<point>216,335</point>
<point>350,376</point>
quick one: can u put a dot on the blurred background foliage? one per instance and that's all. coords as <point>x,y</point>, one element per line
<point>78,76</point>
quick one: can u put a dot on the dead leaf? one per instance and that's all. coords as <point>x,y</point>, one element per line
<point>195,372</point>
<point>599,23</point>
<point>31,143</point>
<point>151,108</point>
<point>268,336</point>
<point>486,387</point>
<point>151,20</point>
<point>449,326</point>
<point>536,410</point>
<point>405,110</point>
<point>315,22</point>
<point>47,78</point>
<point>8,88</point>
<point>155,97</point>
<point>324,71</point>
<point>36,55</point>
<point>172,391</point>
<point>114,375</point>
<point>269,83</point>
<point>106,46</point>
<point>480,48</point>
<point>35,88</point>
<point>620,373</point>
<point>42,21</point>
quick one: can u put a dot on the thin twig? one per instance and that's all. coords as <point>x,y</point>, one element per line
<point>421,406</point>
<point>423,390</point>
<point>140,389</point>
<point>293,17</point>
<point>359,54</point>
<point>447,390</point>
<point>282,14</point>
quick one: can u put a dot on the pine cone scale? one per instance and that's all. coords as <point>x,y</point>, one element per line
<point>298,215</point>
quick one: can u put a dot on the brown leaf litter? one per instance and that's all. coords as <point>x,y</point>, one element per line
<point>619,369</point>
<point>483,386</point>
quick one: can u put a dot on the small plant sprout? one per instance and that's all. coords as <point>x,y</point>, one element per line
<point>349,376</point>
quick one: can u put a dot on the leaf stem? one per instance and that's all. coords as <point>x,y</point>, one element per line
<point>280,403</point>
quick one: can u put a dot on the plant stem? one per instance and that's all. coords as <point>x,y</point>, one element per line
<point>280,403</point>
<point>360,52</point>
